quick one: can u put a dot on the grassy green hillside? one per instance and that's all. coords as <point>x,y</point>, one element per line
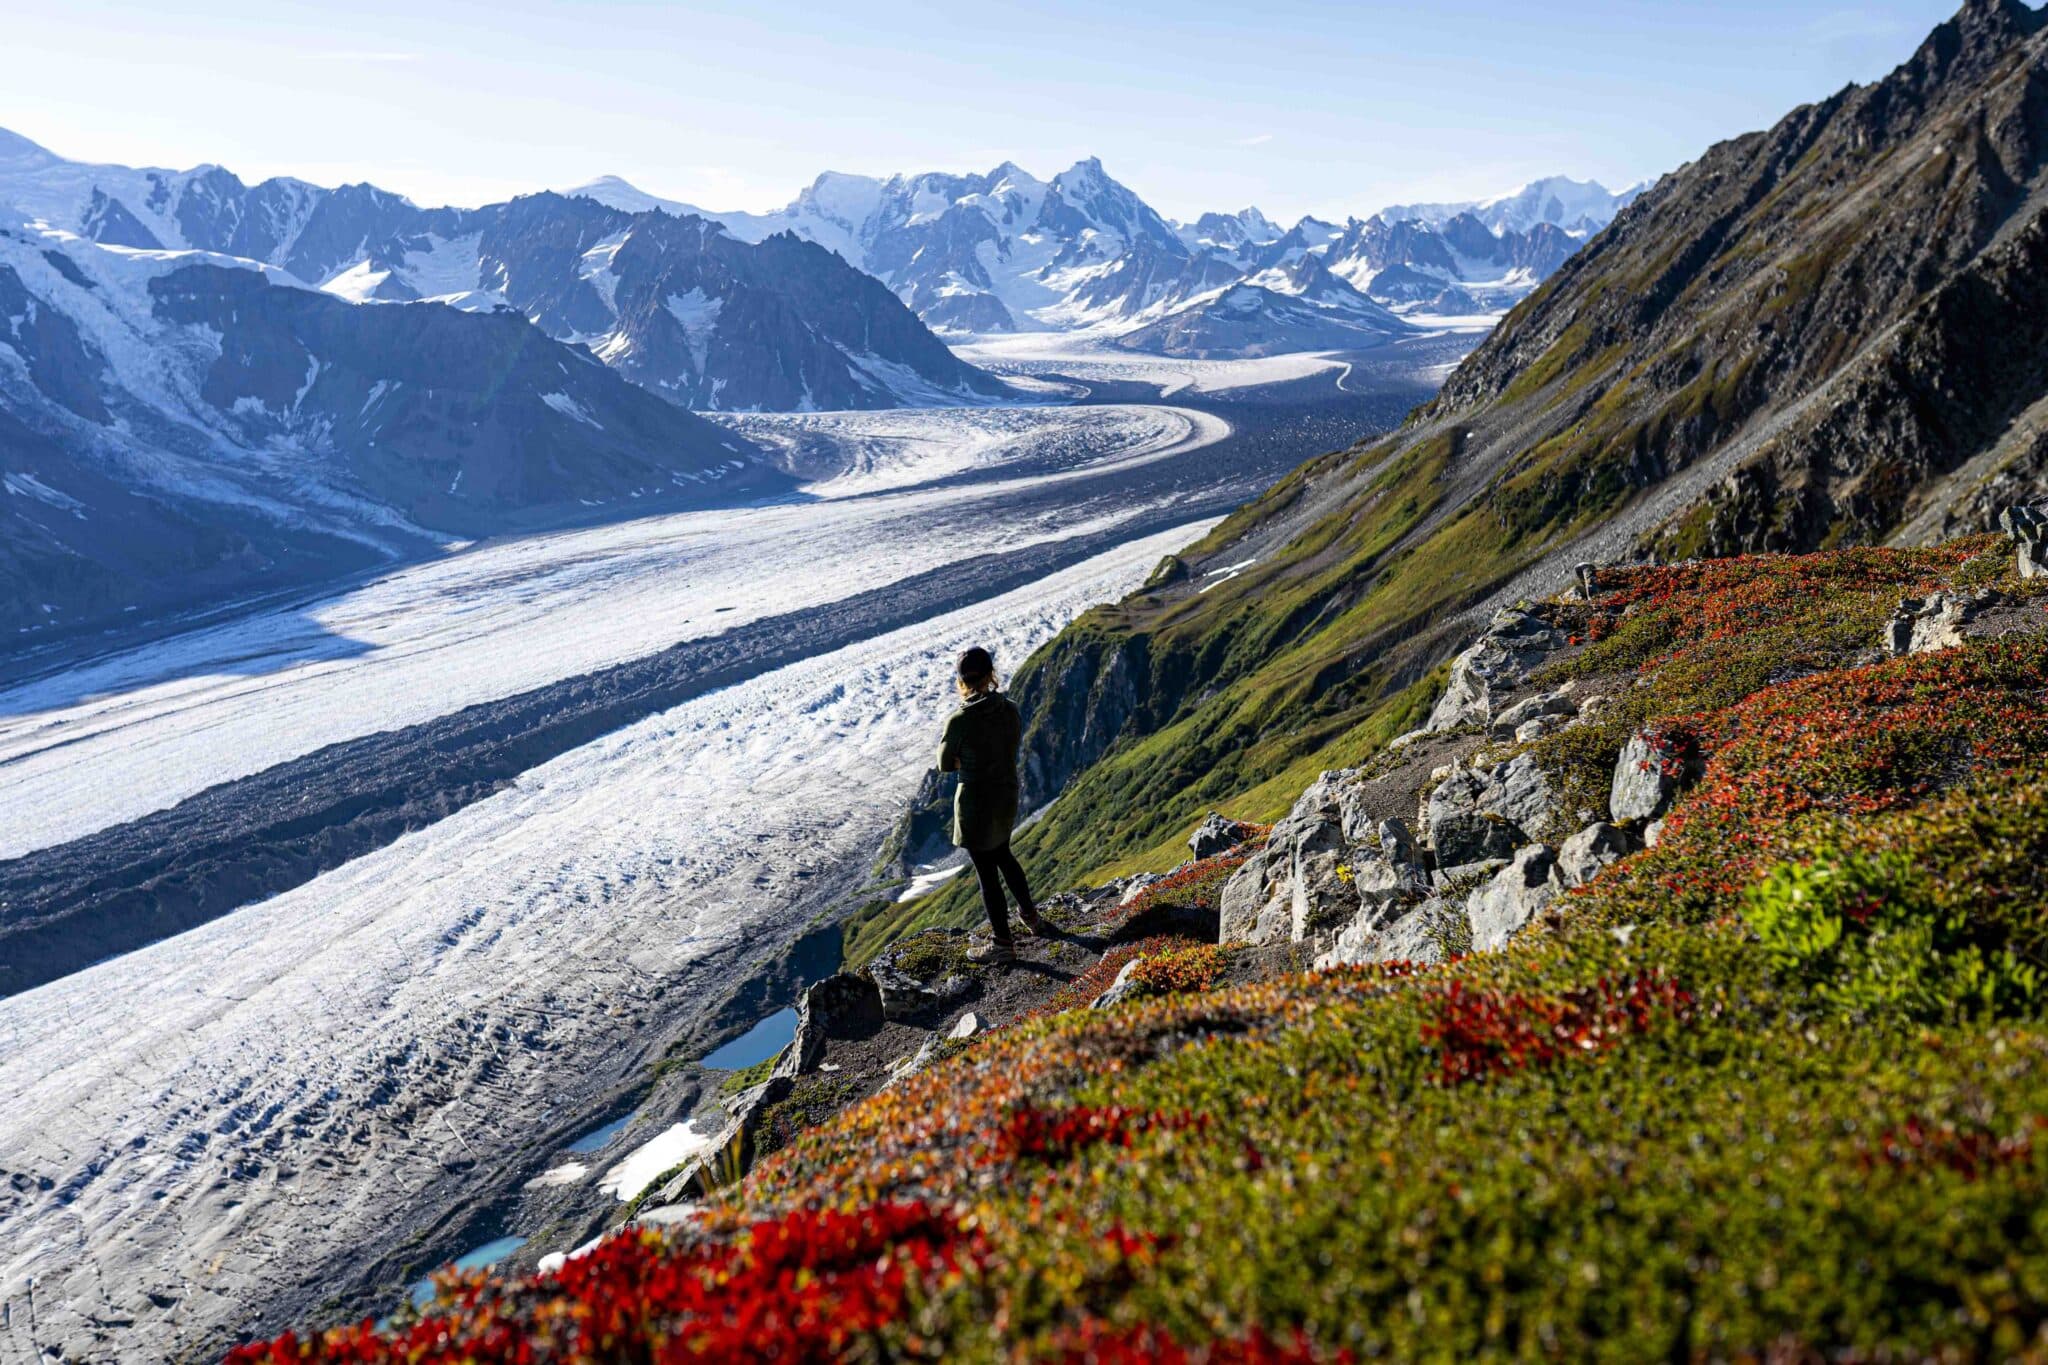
<point>1812,336</point>
<point>1774,1088</point>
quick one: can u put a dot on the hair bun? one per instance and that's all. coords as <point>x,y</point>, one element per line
<point>976,664</point>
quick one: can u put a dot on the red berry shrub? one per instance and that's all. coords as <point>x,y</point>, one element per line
<point>1485,1033</point>
<point>808,1286</point>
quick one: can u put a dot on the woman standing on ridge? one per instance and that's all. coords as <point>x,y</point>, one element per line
<point>980,743</point>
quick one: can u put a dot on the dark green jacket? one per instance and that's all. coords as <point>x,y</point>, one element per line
<point>980,743</point>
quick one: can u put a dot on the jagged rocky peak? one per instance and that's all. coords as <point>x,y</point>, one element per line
<point>1084,197</point>
<point>1839,315</point>
<point>1976,37</point>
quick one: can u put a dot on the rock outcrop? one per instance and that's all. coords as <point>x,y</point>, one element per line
<point>1582,857</point>
<point>1488,812</point>
<point>1516,895</point>
<point>1921,625</point>
<point>1494,856</point>
<point>915,988</point>
<point>846,1006</point>
<point>1323,865</point>
<point>2029,527</point>
<point>1646,777</point>
<point>1217,835</point>
<point>1514,642</point>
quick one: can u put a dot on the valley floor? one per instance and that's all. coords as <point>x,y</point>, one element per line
<point>109,741</point>
<point>247,1102</point>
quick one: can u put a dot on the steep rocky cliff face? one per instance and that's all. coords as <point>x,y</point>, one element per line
<point>1835,331</point>
<point>1839,315</point>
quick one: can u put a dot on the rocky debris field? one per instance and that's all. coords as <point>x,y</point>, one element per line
<point>1675,990</point>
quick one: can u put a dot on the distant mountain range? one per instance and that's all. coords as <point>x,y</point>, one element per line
<point>700,316</point>
<point>209,387</point>
<point>1006,251</point>
<point>178,426</point>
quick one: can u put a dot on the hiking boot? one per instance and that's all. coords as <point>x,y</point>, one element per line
<point>993,955</point>
<point>1039,925</point>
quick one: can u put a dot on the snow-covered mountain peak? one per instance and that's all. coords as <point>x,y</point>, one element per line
<point>1087,171</point>
<point>1580,207</point>
<point>1010,200</point>
<point>1228,232</point>
<point>845,196</point>
<point>615,191</point>
<point>1574,205</point>
<point>1010,175</point>
<point>17,153</point>
<point>1105,205</point>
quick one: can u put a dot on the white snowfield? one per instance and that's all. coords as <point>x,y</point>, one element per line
<point>895,449</point>
<point>1086,356</point>
<point>140,730</point>
<point>225,1109</point>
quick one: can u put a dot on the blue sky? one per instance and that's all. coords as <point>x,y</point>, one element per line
<point>1298,107</point>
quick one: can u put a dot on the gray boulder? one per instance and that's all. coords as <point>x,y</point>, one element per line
<point>1546,706</point>
<point>1244,896</point>
<point>1397,843</point>
<point>1513,643</point>
<point>1378,881</point>
<point>928,992</point>
<point>1215,835</point>
<point>904,997</point>
<point>1121,989</point>
<point>1519,791</point>
<point>1482,870</point>
<point>1461,828</point>
<point>1319,897</point>
<point>1326,859</point>
<point>1646,777</point>
<point>1581,857</point>
<point>1479,813</point>
<point>1431,933</point>
<point>1293,883</point>
<point>2029,527</point>
<point>1136,885</point>
<point>844,1007</point>
<point>1920,625</point>
<point>1517,894</point>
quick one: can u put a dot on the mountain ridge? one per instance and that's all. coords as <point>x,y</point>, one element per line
<point>370,245</point>
<point>186,426</point>
<point>1789,343</point>
<point>1005,250</point>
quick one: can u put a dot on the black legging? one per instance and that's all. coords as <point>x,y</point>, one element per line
<point>994,866</point>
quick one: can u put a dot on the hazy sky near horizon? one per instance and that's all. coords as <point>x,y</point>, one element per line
<point>1297,107</point>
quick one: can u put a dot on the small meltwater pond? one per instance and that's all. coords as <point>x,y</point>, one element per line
<point>679,1142</point>
<point>757,1044</point>
<point>480,1258</point>
<point>598,1137</point>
